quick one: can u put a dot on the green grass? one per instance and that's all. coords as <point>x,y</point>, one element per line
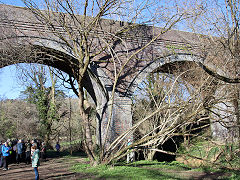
<point>223,155</point>
<point>149,170</point>
<point>174,165</point>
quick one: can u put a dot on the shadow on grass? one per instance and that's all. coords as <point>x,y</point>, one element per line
<point>55,154</point>
<point>136,174</point>
<point>222,173</point>
<point>155,164</point>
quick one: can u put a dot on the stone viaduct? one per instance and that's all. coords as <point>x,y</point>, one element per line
<point>18,25</point>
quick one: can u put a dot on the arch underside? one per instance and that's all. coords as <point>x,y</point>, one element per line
<point>46,56</point>
<point>211,88</point>
<point>168,64</point>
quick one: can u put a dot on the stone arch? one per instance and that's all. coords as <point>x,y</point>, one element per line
<point>49,52</point>
<point>159,63</point>
<point>55,54</point>
<point>219,132</point>
<point>154,66</point>
<point>122,111</point>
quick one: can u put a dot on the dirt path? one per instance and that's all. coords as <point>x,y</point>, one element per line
<point>57,168</point>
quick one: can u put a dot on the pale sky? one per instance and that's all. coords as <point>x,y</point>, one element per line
<point>9,87</point>
<point>12,2</point>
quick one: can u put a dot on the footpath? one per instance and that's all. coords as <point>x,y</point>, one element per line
<point>53,168</point>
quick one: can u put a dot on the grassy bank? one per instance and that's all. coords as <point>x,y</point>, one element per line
<point>151,170</point>
<point>199,160</point>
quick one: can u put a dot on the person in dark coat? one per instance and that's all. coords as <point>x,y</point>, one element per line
<point>43,151</point>
<point>1,156</point>
<point>28,146</point>
<point>58,148</point>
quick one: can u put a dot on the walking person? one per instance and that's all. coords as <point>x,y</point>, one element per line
<point>19,154</point>
<point>5,153</point>
<point>1,156</point>
<point>35,160</point>
<point>130,155</point>
<point>14,151</point>
<point>43,151</point>
<point>58,148</point>
<point>10,157</point>
<point>28,146</point>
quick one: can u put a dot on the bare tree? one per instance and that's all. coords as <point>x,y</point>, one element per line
<point>220,50</point>
<point>84,34</point>
<point>19,119</point>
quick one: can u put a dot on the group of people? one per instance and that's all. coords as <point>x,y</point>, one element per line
<point>18,151</point>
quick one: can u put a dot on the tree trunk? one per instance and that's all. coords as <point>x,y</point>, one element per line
<point>236,109</point>
<point>87,139</point>
<point>47,136</point>
<point>150,155</point>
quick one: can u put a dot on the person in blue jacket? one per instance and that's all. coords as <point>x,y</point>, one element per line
<point>19,155</point>
<point>5,153</point>
<point>58,148</point>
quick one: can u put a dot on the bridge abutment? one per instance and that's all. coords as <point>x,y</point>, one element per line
<point>223,119</point>
<point>120,122</point>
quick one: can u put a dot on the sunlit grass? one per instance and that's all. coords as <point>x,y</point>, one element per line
<point>137,170</point>
<point>149,170</point>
